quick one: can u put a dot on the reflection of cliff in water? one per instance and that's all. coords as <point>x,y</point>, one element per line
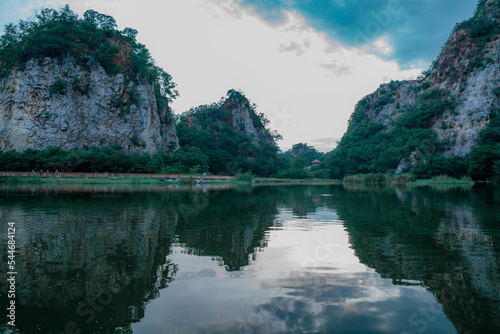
<point>99,257</point>
<point>96,259</point>
<point>441,240</point>
<point>227,225</point>
<point>233,225</point>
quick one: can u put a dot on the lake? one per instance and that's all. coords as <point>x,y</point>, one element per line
<point>266,259</point>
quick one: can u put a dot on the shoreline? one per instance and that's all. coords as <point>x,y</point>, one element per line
<point>12,178</point>
<point>153,179</point>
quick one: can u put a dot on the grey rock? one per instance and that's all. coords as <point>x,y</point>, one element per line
<point>32,115</point>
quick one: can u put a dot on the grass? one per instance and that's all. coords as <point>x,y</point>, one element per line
<point>77,180</point>
<point>368,179</point>
<point>404,178</point>
<point>409,179</point>
<point>245,179</point>
<point>444,180</point>
<point>275,181</point>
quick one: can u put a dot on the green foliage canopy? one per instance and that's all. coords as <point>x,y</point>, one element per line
<point>93,39</point>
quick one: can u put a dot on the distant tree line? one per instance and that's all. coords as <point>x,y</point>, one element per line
<point>188,159</point>
<point>101,160</point>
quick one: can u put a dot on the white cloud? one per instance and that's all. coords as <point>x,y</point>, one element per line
<point>210,47</point>
<point>382,46</point>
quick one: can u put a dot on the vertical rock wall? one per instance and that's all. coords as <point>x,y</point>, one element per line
<point>52,103</point>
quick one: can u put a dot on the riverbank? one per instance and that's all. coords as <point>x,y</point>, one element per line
<point>144,179</point>
<point>405,179</point>
<point>158,179</point>
<point>442,180</point>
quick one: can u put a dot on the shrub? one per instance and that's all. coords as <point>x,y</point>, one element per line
<point>246,177</point>
<point>320,174</point>
<point>378,178</point>
<point>404,178</point>
<point>293,173</point>
<point>496,91</point>
<point>58,87</point>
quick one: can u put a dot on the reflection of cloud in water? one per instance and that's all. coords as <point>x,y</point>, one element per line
<point>347,303</point>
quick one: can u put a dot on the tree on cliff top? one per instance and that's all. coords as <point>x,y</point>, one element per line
<point>93,39</point>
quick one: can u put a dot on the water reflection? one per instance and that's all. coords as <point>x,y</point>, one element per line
<point>91,260</point>
<point>227,225</point>
<point>87,262</point>
<point>255,260</point>
<point>447,241</point>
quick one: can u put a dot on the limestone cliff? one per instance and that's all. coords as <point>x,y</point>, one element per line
<point>405,124</point>
<point>53,103</point>
<point>73,82</point>
<point>469,67</point>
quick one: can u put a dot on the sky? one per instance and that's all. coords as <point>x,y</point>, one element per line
<point>304,63</point>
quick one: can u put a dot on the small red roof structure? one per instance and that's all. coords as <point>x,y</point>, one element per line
<point>316,162</point>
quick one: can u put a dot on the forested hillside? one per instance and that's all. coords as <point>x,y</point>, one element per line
<point>232,136</point>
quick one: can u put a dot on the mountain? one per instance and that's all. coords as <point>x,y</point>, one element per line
<point>447,122</point>
<point>70,83</point>
<point>232,135</point>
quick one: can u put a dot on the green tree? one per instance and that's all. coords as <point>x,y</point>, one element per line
<point>299,163</point>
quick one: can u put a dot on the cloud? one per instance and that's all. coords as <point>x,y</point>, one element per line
<point>324,144</point>
<point>416,30</point>
<point>297,48</point>
<point>224,8</point>
<point>382,46</point>
<point>336,69</point>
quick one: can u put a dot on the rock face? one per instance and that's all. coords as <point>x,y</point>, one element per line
<point>388,101</point>
<point>53,103</point>
<point>471,71</point>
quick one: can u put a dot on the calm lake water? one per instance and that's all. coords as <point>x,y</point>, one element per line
<point>287,259</point>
